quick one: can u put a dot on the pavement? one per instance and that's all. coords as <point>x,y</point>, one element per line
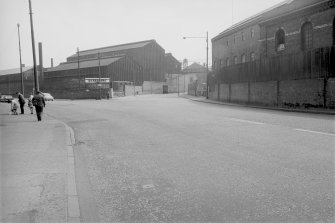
<point>37,169</point>
<point>313,111</point>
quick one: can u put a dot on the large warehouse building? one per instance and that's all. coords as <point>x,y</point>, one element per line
<point>119,65</point>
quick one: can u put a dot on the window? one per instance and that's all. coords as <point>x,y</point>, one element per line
<point>306,36</point>
<point>280,40</point>
<point>235,59</point>
<point>252,56</point>
<point>234,39</point>
<point>227,62</point>
<point>221,63</point>
<point>252,33</point>
<point>243,58</point>
<point>242,34</point>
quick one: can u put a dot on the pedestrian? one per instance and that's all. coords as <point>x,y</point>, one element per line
<point>30,104</point>
<point>13,107</point>
<point>107,94</point>
<point>39,103</point>
<point>21,102</point>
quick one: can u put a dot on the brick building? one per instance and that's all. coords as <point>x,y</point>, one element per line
<point>283,55</point>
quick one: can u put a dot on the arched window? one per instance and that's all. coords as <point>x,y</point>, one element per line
<point>280,40</point>
<point>243,60</point>
<point>235,59</point>
<point>307,36</point>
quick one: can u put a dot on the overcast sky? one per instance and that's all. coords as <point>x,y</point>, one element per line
<point>64,25</point>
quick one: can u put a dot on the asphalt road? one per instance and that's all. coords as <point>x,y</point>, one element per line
<point>162,158</point>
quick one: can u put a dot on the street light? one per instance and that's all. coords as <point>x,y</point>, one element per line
<point>36,85</point>
<point>202,37</point>
<point>22,86</point>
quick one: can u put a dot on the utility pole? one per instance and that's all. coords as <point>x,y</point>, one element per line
<point>78,67</point>
<point>207,84</point>
<point>36,86</point>
<point>99,77</point>
<point>22,86</point>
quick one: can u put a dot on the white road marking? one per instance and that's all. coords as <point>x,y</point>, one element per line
<point>246,121</point>
<point>323,133</point>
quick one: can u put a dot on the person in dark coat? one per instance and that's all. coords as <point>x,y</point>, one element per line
<point>39,103</point>
<point>21,101</point>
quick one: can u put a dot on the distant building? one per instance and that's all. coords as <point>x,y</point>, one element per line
<point>69,77</point>
<point>148,54</point>
<point>172,65</point>
<point>10,80</point>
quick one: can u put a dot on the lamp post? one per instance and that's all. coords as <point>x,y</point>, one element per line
<point>22,86</point>
<point>202,37</point>
<point>36,87</point>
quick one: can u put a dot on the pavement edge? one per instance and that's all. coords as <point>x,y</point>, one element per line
<point>73,210</point>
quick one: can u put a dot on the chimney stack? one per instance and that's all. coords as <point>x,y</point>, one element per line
<point>41,59</point>
<point>52,62</point>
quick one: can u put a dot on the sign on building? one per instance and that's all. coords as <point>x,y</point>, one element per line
<point>96,80</point>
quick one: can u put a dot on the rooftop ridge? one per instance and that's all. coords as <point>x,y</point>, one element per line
<point>253,17</point>
<point>124,44</point>
<point>95,58</point>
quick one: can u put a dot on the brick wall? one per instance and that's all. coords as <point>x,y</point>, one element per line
<point>322,32</point>
<point>222,51</point>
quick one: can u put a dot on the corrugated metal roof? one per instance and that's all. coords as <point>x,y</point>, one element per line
<point>15,70</point>
<point>84,64</point>
<point>114,48</point>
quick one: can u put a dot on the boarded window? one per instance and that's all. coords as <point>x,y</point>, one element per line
<point>227,62</point>
<point>280,39</point>
<point>307,36</point>
<point>252,56</point>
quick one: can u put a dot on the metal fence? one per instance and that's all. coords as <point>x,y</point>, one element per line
<point>317,63</point>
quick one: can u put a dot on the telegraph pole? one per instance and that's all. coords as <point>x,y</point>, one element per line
<point>22,86</point>
<point>78,67</point>
<point>207,84</point>
<point>36,86</point>
<point>99,77</point>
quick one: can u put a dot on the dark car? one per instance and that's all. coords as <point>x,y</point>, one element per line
<point>6,98</point>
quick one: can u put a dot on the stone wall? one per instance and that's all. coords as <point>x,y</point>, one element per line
<point>297,93</point>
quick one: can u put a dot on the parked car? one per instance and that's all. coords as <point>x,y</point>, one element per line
<point>48,97</point>
<point>6,98</point>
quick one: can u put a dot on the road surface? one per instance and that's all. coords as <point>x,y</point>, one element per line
<point>161,158</point>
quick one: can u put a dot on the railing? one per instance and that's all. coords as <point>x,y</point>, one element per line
<point>318,63</point>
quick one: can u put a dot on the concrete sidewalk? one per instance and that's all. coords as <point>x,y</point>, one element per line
<point>37,169</point>
<point>314,111</point>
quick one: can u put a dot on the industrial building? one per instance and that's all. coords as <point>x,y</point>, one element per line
<point>282,56</point>
<point>92,73</point>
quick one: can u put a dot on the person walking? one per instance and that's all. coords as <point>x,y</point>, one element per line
<point>21,102</point>
<point>30,104</point>
<point>39,103</point>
